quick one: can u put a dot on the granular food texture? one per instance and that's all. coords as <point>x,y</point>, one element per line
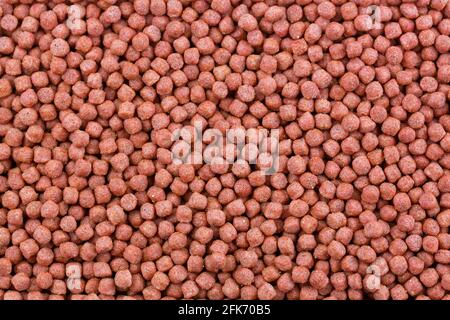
<point>354,204</point>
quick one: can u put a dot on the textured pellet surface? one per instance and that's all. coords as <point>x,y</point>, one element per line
<point>92,205</point>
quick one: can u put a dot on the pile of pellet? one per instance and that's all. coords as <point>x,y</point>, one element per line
<point>93,206</point>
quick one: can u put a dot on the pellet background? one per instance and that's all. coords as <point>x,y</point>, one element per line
<point>92,206</point>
